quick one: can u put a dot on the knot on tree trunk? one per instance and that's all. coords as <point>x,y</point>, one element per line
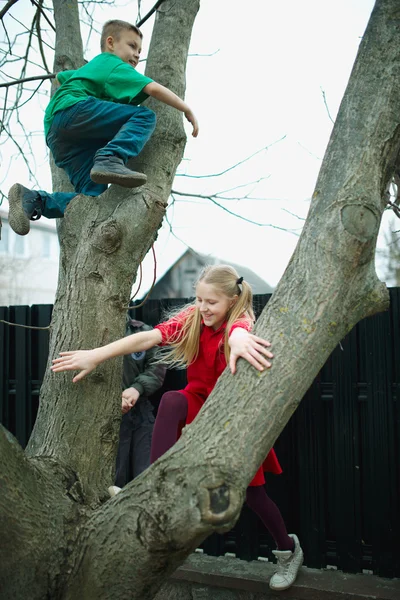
<point>219,505</point>
<point>108,237</point>
<point>62,62</point>
<point>360,221</point>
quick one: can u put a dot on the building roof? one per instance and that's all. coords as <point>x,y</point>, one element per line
<point>258,285</point>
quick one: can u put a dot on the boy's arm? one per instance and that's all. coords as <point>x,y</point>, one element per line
<point>252,348</point>
<point>160,92</point>
<point>86,361</point>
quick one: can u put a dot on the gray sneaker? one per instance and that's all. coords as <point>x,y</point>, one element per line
<point>111,169</point>
<point>24,206</point>
<point>288,565</point>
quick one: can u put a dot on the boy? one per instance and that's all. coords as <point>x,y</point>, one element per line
<point>93,126</point>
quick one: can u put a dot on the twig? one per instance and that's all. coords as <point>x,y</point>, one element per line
<point>326,105</point>
<point>24,326</point>
<point>394,207</point>
<point>24,79</point>
<point>233,166</point>
<point>40,7</point>
<point>140,282</point>
<point>152,285</point>
<point>39,35</point>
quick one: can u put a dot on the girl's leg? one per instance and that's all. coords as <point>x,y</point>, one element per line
<point>172,410</point>
<point>258,500</point>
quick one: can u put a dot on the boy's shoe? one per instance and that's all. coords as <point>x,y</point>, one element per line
<point>111,169</point>
<point>24,206</point>
<point>113,490</point>
<point>288,564</point>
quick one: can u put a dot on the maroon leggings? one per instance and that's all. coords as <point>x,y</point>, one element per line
<point>172,410</point>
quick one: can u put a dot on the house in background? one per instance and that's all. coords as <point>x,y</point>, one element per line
<point>28,264</point>
<point>29,268</point>
<point>178,281</point>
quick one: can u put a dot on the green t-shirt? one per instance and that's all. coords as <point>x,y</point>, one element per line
<point>106,77</point>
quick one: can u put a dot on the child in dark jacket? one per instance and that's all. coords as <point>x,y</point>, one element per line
<point>94,125</point>
<point>142,376</point>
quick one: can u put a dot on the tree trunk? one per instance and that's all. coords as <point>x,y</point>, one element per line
<point>70,458</point>
<point>127,546</point>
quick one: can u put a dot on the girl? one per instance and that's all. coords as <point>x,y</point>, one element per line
<point>204,337</point>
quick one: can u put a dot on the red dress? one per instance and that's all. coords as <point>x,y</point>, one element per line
<point>203,373</point>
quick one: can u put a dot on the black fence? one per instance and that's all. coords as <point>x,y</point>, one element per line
<point>340,490</point>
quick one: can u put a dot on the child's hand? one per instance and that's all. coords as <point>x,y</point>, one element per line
<point>129,398</point>
<point>192,119</point>
<point>84,361</point>
<point>125,406</point>
<point>252,348</point>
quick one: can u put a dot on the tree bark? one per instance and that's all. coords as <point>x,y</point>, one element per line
<point>127,546</point>
<point>102,241</point>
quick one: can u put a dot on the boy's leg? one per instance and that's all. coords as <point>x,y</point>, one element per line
<point>76,135</point>
<point>107,133</point>
<point>27,205</point>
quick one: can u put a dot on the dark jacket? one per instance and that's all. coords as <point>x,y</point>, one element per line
<point>140,371</point>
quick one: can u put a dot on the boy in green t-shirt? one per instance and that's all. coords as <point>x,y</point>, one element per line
<point>93,125</point>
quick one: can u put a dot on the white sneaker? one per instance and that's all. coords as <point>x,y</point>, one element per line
<point>113,490</point>
<point>288,565</point>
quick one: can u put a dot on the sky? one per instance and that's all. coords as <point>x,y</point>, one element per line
<point>263,74</point>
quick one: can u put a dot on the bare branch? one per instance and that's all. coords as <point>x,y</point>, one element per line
<point>233,166</point>
<point>326,105</point>
<point>39,35</point>
<point>7,7</point>
<point>293,214</point>
<point>151,11</point>
<point>214,200</point>
<point>24,79</point>
<point>40,7</point>
<point>395,208</point>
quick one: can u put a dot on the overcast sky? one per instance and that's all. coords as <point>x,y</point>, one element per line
<point>256,79</point>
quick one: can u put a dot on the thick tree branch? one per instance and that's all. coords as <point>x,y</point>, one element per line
<point>31,497</point>
<point>7,7</point>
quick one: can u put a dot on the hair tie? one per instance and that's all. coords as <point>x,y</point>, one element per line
<point>239,281</point>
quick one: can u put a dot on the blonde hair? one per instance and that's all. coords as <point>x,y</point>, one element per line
<point>114,28</point>
<point>184,346</point>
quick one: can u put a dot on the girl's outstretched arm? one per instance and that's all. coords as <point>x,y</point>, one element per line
<point>86,361</point>
<point>246,345</point>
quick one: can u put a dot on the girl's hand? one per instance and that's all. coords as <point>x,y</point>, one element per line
<point>84,361</point>
<point>192,119</point>
<point>252,348</point>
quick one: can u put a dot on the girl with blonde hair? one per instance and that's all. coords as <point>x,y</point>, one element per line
<point>204,337</point>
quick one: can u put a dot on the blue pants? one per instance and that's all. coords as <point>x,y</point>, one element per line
<point>89,129</point>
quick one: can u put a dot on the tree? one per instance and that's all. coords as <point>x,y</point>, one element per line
<point>61,536</point>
